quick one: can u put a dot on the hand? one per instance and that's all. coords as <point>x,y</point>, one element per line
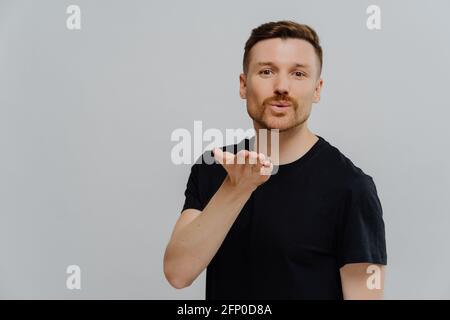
<point>246,169</point>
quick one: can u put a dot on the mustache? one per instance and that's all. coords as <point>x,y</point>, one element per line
<point>281,98</point>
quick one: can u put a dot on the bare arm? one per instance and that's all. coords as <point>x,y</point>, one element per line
<point>362,281</point>
<point>197,236</point>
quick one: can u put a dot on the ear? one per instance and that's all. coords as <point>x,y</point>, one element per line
<point>317,90</point>
<point>243,86</point>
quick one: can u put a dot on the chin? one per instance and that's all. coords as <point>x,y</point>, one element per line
<point>280,123</point>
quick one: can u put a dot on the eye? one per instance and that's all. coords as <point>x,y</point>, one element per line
<point>299,74</point>
<point>265,72</point>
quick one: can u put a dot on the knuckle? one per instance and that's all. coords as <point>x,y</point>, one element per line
<point>241,153</point>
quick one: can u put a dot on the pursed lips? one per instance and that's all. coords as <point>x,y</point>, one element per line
<point>281,104</point>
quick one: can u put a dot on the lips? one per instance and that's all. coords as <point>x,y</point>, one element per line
<point>280,108</point>
<point>280,104</point>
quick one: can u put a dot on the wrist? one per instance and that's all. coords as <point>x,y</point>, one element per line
<point>238,188</point>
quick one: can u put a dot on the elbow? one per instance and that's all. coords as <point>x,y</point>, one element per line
<point>174,277</point>
<point>177,283</point>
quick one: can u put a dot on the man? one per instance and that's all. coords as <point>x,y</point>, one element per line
<point>313,230</point>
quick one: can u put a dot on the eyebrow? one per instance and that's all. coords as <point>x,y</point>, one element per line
<point>268,63</point>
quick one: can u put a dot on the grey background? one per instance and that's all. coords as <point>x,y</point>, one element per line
<point>86,117</point>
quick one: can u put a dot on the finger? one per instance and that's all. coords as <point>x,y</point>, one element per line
<point>242,156</point>
<point>261,158</point>
<point>253,157</point>
<point>218,155</point>
<point>223,157</point>
<point>229,157</point>
<point>260,162</point>
<point>266,170</point>
<point>267,162</point>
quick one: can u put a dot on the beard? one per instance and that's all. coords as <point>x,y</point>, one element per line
<point>293,116</point>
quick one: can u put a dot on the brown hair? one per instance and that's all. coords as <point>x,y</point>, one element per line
<point>284,30</point>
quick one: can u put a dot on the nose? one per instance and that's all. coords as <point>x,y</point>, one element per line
<point>282,86</point>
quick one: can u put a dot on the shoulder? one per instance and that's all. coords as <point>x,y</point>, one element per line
<point>358,187</point>
<point>347,172</point>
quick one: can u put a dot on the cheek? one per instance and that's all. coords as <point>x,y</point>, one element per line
<point>258,91</point>
<point>305,94</point>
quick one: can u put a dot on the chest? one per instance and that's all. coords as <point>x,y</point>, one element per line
<point>290,220</point>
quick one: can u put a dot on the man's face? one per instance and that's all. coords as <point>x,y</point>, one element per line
<point>281,84</point>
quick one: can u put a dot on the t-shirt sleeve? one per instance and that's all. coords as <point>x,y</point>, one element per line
<point>192,192</point>
<point>361,232</point>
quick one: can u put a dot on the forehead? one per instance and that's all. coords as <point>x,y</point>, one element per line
<point>283,52</point>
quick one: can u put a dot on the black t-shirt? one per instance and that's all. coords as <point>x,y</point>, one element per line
<point>296,231</point>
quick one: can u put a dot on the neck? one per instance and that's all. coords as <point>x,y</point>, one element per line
<point>292,143</point>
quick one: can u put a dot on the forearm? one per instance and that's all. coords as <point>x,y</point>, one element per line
<point>190,250</point>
